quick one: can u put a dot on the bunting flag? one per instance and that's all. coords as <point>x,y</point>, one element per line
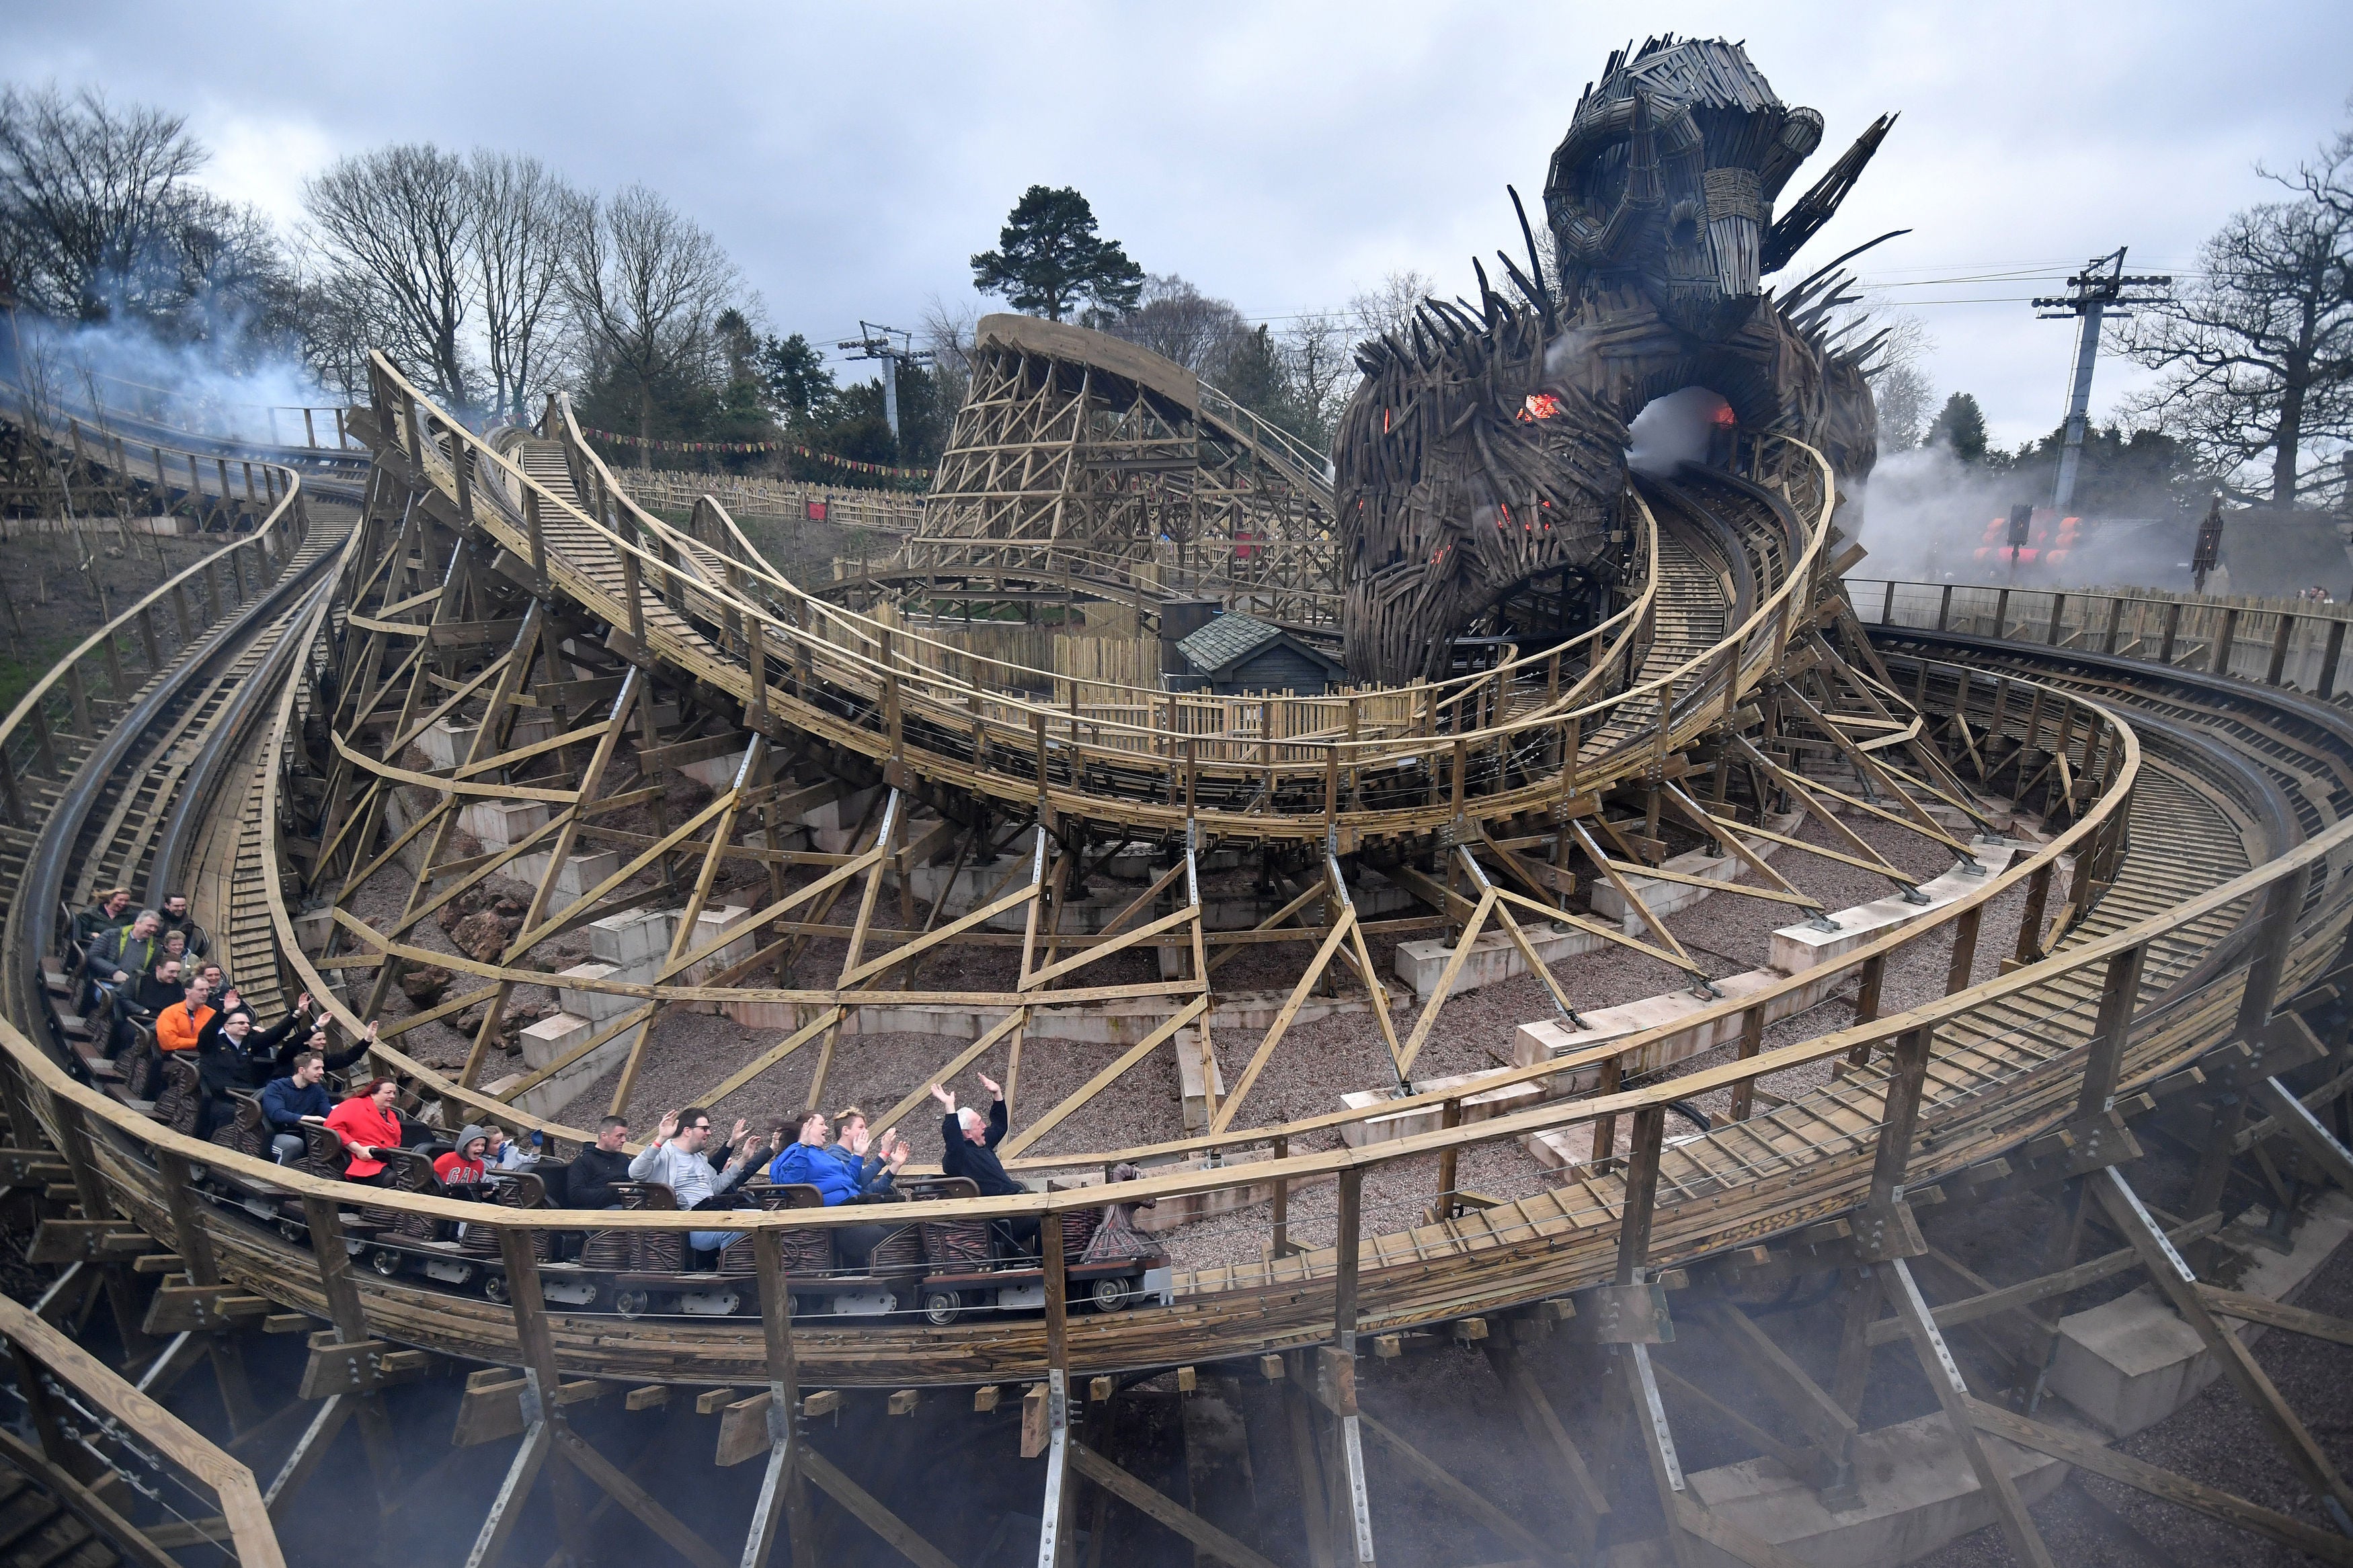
<point>745,446</point>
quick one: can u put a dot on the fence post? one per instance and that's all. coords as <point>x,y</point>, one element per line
<point>2325,688</point>
<point>2058,611</point>
<point>2029,919</point>
<point>533,524</point>
<point>1887,604</point>
<point>1909,1070</point>
<point>80,699</point>
<point>2172,630</point>
<point>1945,608</point>
<point>633,594</point>
<point>2280,635</point>
<point>756,655</point>
<point>1641,1191</point>
<point>2119,990</point>
<point>2218,659</point>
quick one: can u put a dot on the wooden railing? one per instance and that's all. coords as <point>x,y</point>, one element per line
<point>2133,1046</point>
<point>69,699</point>
<point>72,1398</point>
<point>1472,752</point>
<point>2277,642</point>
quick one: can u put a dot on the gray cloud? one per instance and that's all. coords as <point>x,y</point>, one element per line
<point>1279,156</point>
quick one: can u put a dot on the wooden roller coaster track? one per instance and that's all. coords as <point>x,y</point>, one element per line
<point>2205,825</point>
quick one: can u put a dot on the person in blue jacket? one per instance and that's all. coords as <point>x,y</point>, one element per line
<point>811,1161</point>
<point>287,1103</point>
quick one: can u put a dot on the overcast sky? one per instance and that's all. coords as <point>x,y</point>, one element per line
<point>852,160</point>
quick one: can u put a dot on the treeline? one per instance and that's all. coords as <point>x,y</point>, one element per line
<point>487,276</point>
<point>2253,359</point>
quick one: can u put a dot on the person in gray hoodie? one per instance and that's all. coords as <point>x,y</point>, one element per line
<point>676,1159</point>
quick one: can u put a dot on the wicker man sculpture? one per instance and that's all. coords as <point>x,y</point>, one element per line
<point>1486,450</point>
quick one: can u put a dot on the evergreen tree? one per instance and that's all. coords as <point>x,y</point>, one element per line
<point>1959,425</point>
<point>1049,258</point>
<point>1253,375</point>
<point>795,383</point>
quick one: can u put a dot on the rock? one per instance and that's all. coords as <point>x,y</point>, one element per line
<point>424,984</point>
<point>483,936</point>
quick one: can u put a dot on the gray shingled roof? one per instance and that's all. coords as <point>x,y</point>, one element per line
<point>1226,639</point>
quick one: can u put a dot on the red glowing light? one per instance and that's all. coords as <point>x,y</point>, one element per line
<point>1539,406</point>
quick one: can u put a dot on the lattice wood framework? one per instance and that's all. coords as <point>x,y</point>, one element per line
<point>453,629</point>
<point>1082,453</point>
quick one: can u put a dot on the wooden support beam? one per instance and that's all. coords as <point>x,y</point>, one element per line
<point>1282,1025</point>
<point>1056,1390</point>
<point>781,1489</point>
<point>333,1261</point>
<point>1588,1503</point>
<point>1827,1426</point>
<point>506,1504</point>
<point>2085,1453</point>
<point>537,1344</point>
<point>2179,1286</point>
<point>1944,1376</point>
<point>1208,1538</point>
<point>1656,1439</point>
<point>2318,1145</point>
<point>870,1512</point>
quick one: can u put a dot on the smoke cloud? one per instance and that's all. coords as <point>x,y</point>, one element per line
<point>224,384</point>
<point>1673,430</point>
<point>1926,516</point>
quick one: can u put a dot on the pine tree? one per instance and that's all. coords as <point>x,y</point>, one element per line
<point>1959,425</point>
<point>1049,258</point>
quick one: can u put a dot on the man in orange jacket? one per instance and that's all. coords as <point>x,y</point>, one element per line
<point>178,1028</point>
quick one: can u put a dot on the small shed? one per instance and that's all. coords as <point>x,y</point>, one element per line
<point>1236,653</point>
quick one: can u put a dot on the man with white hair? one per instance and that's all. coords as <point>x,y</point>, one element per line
<point>968,1149</point>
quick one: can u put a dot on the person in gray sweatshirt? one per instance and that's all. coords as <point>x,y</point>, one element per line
<point>676,1159</point>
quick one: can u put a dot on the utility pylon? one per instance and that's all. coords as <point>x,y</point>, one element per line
<point>874,342</point>
<point>2098,289</point>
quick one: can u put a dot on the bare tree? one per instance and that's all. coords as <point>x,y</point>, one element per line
<point>1388,307</point>
<point>1315,356</point>
<point>518,215</point>
<point>645,286</point>
<point>400,217</point>
<point>100,221</point>
<point>1178,322</point>
<point>947,331</point>
<point>2256,351</point>
<point>1897,369</point>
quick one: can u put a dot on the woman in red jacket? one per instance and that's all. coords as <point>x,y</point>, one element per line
<point>367,1124</point>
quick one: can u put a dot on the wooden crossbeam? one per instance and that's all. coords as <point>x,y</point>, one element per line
<point>2087,1455</point>
<point>1010,1023</point>
<point>770,1058</point>
<point>870,1512</point>
<point>1805,797</point>
<point>1151,1501</point>
<point>1445,986</point>
<point>1094,1086</point>
<point>2179,1286</point>
<point>1282,1025</point>
<point>1105,948</point>
<point>1315,891</point>
<point>1672,793</point>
